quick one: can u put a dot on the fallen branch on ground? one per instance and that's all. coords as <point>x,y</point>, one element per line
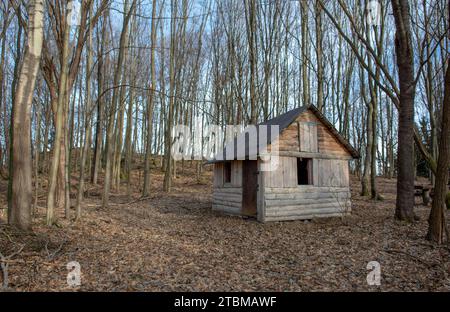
<point>4,265</point>
<point>52,256</point>
<point>391,251</point>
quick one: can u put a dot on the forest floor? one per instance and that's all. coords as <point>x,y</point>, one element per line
<point>176,243</point>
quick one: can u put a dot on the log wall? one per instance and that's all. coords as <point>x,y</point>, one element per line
<point>227,197</point>
<point>305,202</point>
<point>328,196</point>
<point>308,134</point>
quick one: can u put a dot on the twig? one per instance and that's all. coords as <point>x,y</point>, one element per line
<point>434,246</point>
<point>4,265</point>
<point>8,236</point>
<point>138,200</point>
<point>52,256</point>
<point>57,250</point>
<point>411,256</point>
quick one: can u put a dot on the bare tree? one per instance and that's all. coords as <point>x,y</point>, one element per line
<point>168,133</point>
<point>148,149</point>
<point>114,105</point>
<point>437,222</point>
<point>405,62</point>
<point>251,9</point>
<point>21,173</point>
<point>88,115</point>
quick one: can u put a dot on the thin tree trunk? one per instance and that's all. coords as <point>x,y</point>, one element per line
<point>365,181</point>
<point>58,153</point>
<point>251,34</point>
<point>305,51</point>
<point>168,133</point>
<point>437,222</point>
<point>11,128</point>
<point>319,57</point>
<point>114,104</point>
<point>37,151</point>
<point>66,158</point>
<point>148,150</point>
<point>86,145</point>
<point>98,127</point>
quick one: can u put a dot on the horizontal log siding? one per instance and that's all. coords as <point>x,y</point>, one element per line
<point>305,202</point>
<point>227,200</point>
<point>326,143</point>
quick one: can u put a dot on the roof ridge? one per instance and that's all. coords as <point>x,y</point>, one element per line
<point>285,120</point>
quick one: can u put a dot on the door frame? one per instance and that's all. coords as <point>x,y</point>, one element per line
<point>250,188</point>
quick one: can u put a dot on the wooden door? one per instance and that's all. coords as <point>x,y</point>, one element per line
<point>249,187</point>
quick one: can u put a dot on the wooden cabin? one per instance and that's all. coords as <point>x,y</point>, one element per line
<point>311,179</point>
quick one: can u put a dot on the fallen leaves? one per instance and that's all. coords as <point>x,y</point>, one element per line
<point>174,242</point>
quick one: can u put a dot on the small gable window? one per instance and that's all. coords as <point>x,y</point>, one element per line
<point>307,132</point>
<point>304,171</point>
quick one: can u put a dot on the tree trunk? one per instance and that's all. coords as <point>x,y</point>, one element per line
<point>114,105</point>
<point>21,197</point>
<point>57,165</point>
<point>148,150</point>
<point>251,34</point>
<point>405,62</point>
<point>11,128</point>
<point>319,56</point>
<point>98,127</point>
<point>168,131</point>
<point>437,223</point>
<point>365,181</point>
<point>86,143</point>
<point>305,51</point>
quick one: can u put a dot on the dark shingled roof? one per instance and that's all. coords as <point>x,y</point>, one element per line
<point>284,121</point>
